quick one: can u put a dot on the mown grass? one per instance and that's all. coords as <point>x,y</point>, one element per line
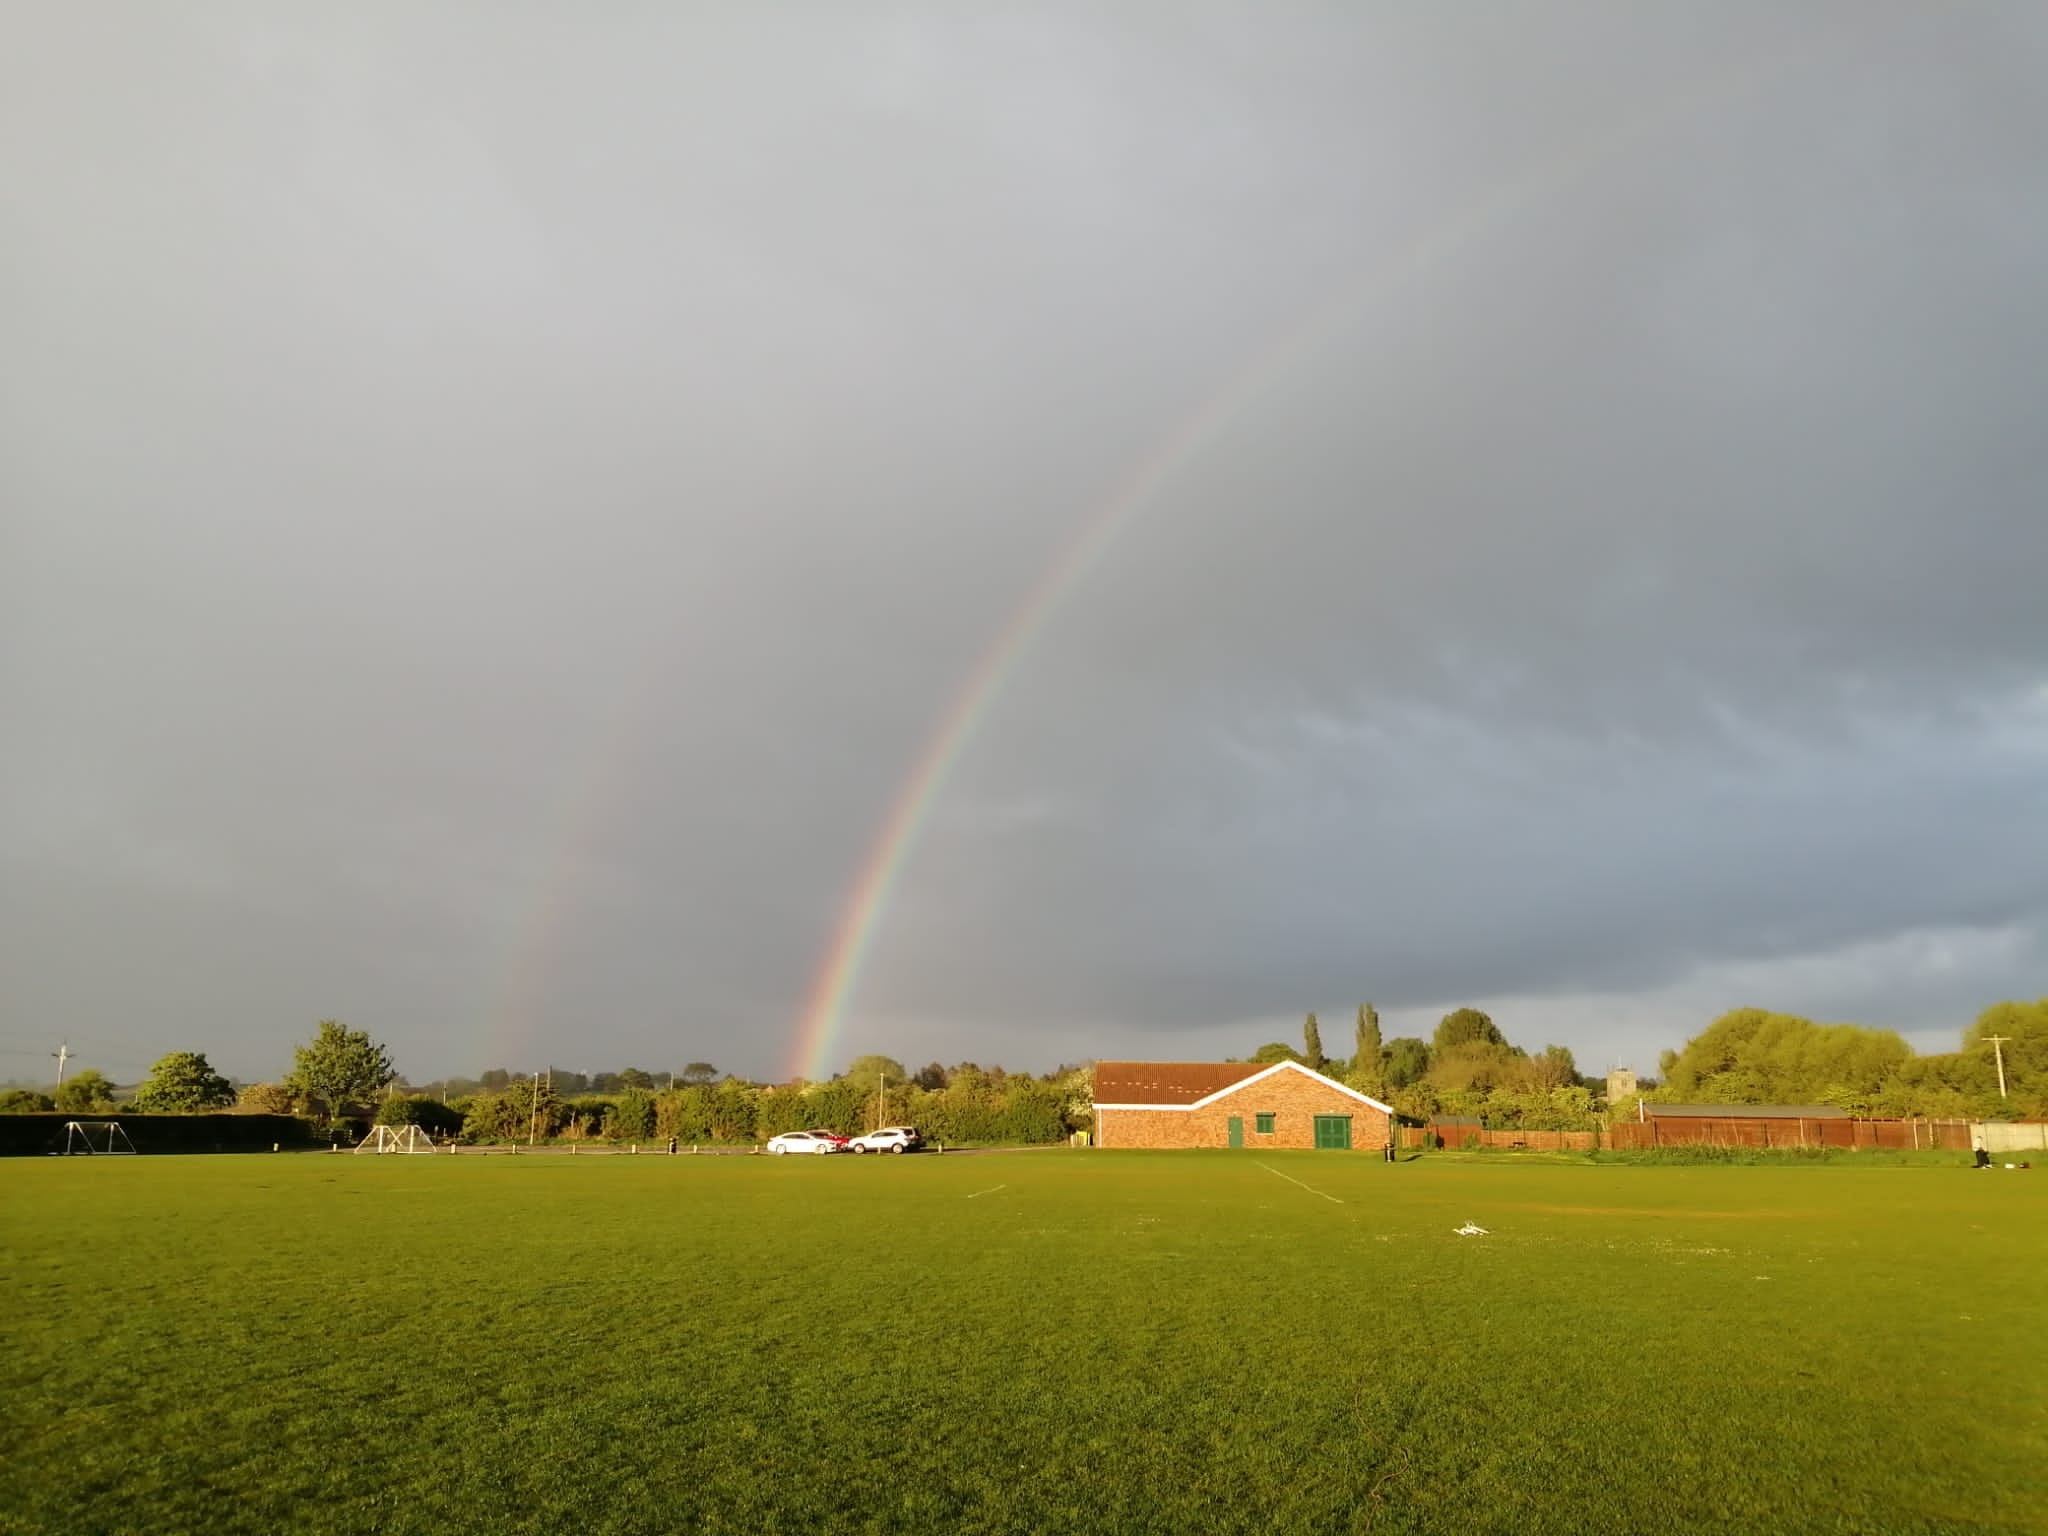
<point>1062,1341</point>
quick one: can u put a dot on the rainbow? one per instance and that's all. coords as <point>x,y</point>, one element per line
<point>868,902</point>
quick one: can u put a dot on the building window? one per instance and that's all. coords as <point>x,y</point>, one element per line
<point>1266,1124</point>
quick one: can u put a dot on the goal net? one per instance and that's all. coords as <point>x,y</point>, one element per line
<point>396,1138</point>
<point>101,1137</point>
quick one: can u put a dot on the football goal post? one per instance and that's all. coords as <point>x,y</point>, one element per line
<point>96,1137</point>
<point>396,1138</point>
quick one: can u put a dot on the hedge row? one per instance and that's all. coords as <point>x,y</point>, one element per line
<point>35,1135</point>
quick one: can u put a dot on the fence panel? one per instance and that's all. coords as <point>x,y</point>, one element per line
<point>1457,1136</point>
<point>2015,1135</point>
<point>1736,1130</point>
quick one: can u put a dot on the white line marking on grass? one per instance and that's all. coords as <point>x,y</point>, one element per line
<point>980,1192</point>
<point>1290,1178</point>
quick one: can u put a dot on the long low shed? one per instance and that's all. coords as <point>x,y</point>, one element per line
<point>1233,1104</point>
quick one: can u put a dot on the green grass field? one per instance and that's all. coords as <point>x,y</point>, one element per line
<point>1034,1342</point>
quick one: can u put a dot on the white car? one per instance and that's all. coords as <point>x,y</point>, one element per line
<point>890,1138</point>
<point>807,1141</point>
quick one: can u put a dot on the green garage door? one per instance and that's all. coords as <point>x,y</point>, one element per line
<point>1334,1132</point>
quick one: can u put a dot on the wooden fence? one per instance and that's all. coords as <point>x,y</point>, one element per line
<point>1526,1141</point>
<point>1737,1130</point>
<point>1713,1131</point>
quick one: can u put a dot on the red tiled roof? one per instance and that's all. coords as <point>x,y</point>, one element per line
<point>1168,1082</point>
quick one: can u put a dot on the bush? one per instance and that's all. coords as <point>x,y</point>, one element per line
<point>489,1117</point>
<point>24,1101</point>
<point>34,1135</point>
<point>269,1099</point>
<point>632,1116</point>
<point>732,1114</point>
<point>429,1114</point>
<point>688,1114</point>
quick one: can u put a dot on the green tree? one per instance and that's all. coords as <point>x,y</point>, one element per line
<point>2024,1027</point>
<point>490,1117</point>
<point>532,1108</point>
<point>1312,1041</point>
<point>1407,1061</point>
<point>1367,1067</point>
<point>1466,1026</point>
<point>85,1093</point>
<point>632,1116</point>
<point>1275,1051</point>
<point>1752,1056</point>
<point>25,1101</point>
<point>269,1099</point>
<point>1554,1069</point>
<point>340,1067</point>
<point>183,1083</point>
<point>697,1073</point>
<point>633,1077</point>
<point>733,1112</point>
<point>867,1071</point>
<point>688,1114</point>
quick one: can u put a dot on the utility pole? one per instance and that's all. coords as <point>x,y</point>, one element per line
<point>881,1100</point>
<point>1998,1050</point>
<point>63,1054</point>
<point>533,1119</point>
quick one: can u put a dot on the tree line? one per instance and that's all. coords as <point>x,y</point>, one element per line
<point>966,1103</point>
<point>342,1077</point>
<point>347,1081</point>
<point>1467,1067</point>
<point>1747,1056</point>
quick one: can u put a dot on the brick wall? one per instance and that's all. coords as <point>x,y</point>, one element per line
<point>1293,1099</point>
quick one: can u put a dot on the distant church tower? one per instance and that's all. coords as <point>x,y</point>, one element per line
<point>1621,1085</point>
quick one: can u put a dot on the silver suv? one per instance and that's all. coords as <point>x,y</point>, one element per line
<point>890,1138</point>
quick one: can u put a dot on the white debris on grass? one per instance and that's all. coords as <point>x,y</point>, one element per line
<point>1470,1230</point>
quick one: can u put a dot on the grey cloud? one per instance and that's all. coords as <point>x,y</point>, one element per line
<point>497,505</point>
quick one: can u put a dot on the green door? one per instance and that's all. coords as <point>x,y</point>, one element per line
<point>1333,1132</point>
<point>1237,1130</point>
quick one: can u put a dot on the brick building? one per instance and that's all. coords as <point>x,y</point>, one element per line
<point>1232,1104</point>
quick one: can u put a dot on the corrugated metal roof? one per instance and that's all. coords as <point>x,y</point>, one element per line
<point>1744,1111</point>
<point>1168,1082</point>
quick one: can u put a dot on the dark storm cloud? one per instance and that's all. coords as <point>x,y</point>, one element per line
<point>496,504</point>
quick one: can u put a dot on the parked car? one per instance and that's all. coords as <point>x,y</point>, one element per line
<point>890,1138</point>
<point>807,1141</point>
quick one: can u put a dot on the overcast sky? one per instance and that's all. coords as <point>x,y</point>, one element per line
<point>496,499</point>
